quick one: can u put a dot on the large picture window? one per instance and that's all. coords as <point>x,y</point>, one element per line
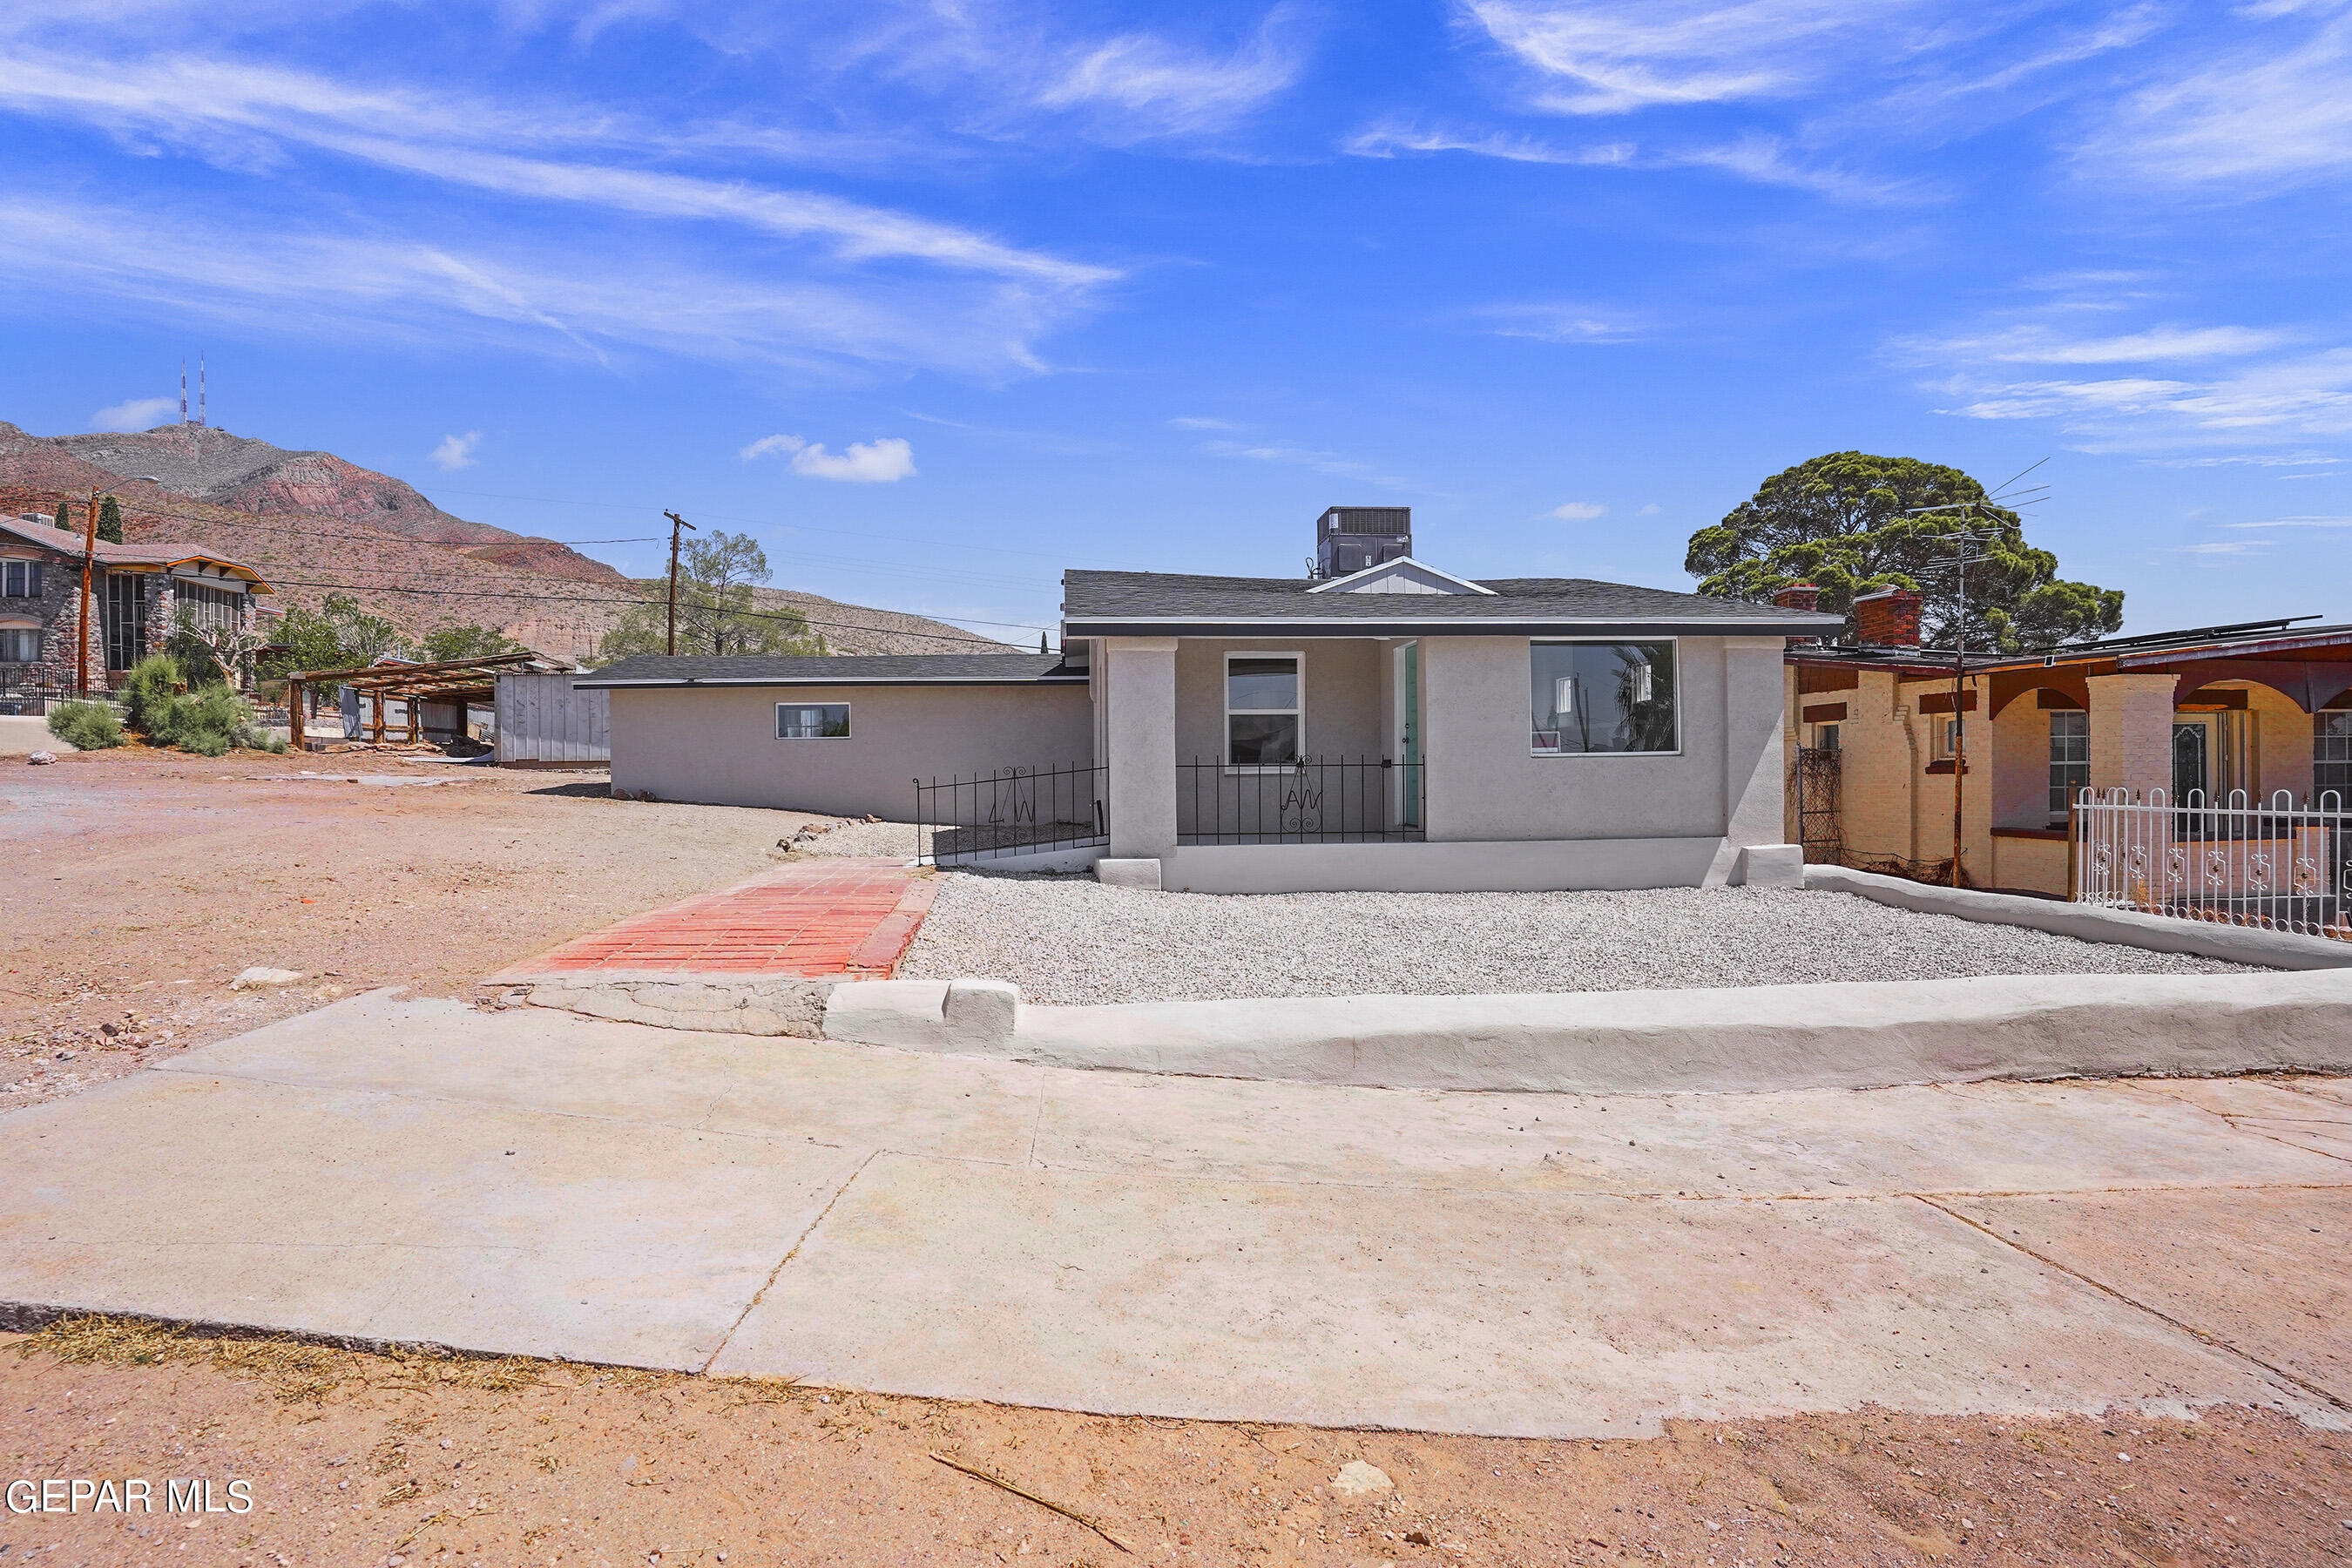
<point>812,721</point>
<point>1602,696</point>
<point>1264,712</point>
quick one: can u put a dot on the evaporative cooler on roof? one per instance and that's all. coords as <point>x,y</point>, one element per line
<point>1351,538</point>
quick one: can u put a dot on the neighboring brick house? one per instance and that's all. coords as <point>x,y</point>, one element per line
<point>137,591</point>
<point>2262,707</point>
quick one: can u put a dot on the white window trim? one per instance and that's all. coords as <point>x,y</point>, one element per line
<point>843,706</point>
<point>1227,711</point>
<point>1674,643</point>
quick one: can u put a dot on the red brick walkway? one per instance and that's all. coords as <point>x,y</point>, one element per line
<point>814,917</point>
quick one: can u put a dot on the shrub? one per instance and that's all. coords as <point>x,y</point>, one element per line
<point>86,726</point>
<point>208,720</point>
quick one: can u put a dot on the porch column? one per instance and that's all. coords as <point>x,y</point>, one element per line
<point>1140,743</point>
<point>1755,715</point>
<point>2131,731</point>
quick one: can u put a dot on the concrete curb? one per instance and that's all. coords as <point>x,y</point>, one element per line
<point>2159,933</point>
<point>1853,1036</point>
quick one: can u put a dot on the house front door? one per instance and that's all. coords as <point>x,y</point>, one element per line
<point>2192,758</point>
<point>1409,780</point>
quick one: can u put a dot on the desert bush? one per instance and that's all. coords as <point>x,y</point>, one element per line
<point>87,726</point>
<point>209,720</point>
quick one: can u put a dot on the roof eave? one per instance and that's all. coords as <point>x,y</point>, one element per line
<point>1449,626</point>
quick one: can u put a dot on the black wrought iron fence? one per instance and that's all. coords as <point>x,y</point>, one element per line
<point>1012,811</point>
<point>29,688</point>
<point>1316,800</point>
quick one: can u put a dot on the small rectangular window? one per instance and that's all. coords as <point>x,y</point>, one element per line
<point>1600,697</point>
<point>812,721</point>
<point>1263,709</point>
<point>2070,758</point>
<point>1825,737</point>
<point>12,579</point>
<point>19,645</point>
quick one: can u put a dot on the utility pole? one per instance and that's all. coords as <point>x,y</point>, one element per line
<point>89,555</point>
<point>675,522</point>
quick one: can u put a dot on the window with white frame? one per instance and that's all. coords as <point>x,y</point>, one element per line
<point>812,721</point>
<point>1944,738</point>
<point>2331,755</point>
<point>2070,758</point>
<point>1825,737</point>
<point>20,645</point>
<point>1265,709</point>
<point>1602,697</point>
<point>20,579</point>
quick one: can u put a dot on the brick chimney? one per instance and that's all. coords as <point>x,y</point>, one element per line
<point>1887,618</point>
<point>1798,596</point>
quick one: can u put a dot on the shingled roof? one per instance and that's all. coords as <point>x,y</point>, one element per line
<point>821,669</point>
<point>1116,604</point>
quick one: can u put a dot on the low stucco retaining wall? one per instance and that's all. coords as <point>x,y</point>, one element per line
<point>1855,1035</point>
<point>2161,933</point>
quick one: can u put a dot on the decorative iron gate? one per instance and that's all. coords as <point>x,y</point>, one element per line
<point>2281,866</point>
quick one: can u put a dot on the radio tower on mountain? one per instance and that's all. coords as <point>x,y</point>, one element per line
<point>184,389</point>
<point>201,411</point>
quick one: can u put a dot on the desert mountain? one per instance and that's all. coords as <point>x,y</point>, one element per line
<point>533,590</point>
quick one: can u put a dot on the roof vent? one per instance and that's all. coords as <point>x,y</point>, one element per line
<point>1351,538</point>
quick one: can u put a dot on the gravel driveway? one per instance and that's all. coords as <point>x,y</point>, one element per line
<point>1068,939</point>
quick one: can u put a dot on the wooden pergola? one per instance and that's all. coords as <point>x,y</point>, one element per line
<point>463,680</point>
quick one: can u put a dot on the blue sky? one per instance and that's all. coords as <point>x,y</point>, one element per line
<point>938,298</point>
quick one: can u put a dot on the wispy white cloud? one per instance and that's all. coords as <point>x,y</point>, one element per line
<point>548,298</point>
<point>1610,57</point>
<point>879,462</point>
<point>1578,511</point>
<point>1195,422</point>
<point>2242,121</point>
<point>1332,463</point>
<point>2250,460</point>
<point>2296,523</point>
<point>1150,86</point>
<point>2221,547</point>
<point>457,452</point>
<point>2037,344</point>
<point>1761,159</point>
<point>1650,510</point>
<point>2294,398</point>
<point>1558,323</point>
<point>135,413</point>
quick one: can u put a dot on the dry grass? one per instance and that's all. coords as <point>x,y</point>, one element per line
<point>295,1371</point>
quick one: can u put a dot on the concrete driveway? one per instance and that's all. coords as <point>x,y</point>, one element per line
<point>534,1182</point>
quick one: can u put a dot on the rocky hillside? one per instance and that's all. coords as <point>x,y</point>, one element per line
<point>536,591</point>
<point>242,474</point>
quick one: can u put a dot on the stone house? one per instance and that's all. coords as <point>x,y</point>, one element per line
<point>136,591</point>
<point>1886,739</point>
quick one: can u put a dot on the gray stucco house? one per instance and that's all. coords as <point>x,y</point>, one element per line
<point>1379,724</point>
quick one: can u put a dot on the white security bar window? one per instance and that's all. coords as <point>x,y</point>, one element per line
<point>1589,698</point>
<point>1263,716</point>
<point>20,579</point>
<point>2070,758</point>
<point>812,721</point>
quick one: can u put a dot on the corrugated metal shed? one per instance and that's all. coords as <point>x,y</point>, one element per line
<point>542,719</point>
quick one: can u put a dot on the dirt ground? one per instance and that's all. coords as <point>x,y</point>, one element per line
<point>363,1459</point>
<point>139,884</point>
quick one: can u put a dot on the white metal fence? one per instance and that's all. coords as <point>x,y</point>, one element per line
<point>2283,866</point>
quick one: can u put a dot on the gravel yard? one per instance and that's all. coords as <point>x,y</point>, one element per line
<point>1069,939</point>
